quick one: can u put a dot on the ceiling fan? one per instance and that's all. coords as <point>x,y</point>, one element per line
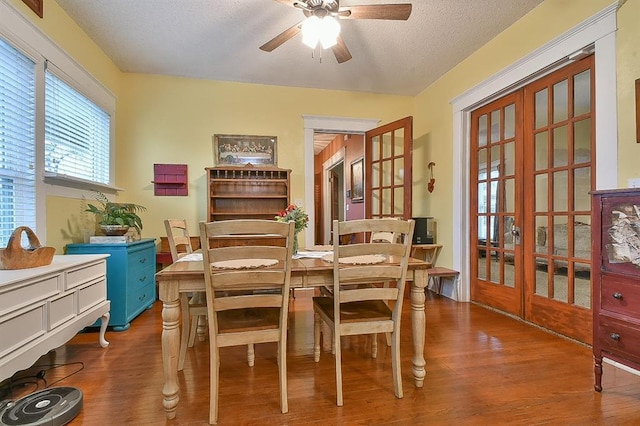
<point>316,10</point>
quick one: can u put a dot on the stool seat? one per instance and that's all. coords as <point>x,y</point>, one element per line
<point>437,273</point>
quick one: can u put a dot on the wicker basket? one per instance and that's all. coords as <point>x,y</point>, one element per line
<point>17,257</point>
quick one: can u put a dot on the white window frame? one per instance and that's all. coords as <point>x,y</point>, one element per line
<point>30,40</point>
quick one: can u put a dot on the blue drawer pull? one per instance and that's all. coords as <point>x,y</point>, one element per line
<point>142,279</point>
<point>143,260</point>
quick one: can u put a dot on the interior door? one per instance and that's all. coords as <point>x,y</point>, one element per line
<point>388,163</point>
<point>496,200</point>
<point>531,160</point>
<point>559,110</point>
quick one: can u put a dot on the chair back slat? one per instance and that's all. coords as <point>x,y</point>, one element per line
<point>178,238</point>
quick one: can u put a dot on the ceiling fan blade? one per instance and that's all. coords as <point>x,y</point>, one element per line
<point>400,12</point>
<point>278,40</point>
<point>341,51</point>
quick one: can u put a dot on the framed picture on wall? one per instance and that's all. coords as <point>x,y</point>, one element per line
<point>357,181</point>
<point>36,5</point>
<point>238,150</point>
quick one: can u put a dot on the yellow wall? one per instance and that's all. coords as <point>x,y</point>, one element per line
<point>172,120</point>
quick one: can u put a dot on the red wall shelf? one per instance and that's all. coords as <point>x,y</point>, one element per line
<point>170,179</point>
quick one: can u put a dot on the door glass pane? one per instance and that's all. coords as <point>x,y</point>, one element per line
<point>375,175</point>
<point>496,267</point>
<point>375,202</point>
<point>510,121</point>
<point>398,171</point>
<point>582,93</point>
<point>386,173</point>
<point>581,189</point>
<point>494,190</point>
<point>386,201</point>
<point>495,157</point>
<point>541,196</point>
<point>582,237</point>
<point>560,191</point>
<point>582,285</point>
<point>542,277</point>
<point>483,230</point>
<point>508,268</point>
<point>560,142</point>
<point>560,236</point>
<point>482,264</point>
<point>542,151</point>
<point>482,130</point>
<point>541,108</point>
<point>509,162</point>
<point>560,284</point>
<point>509,195</point>
<point>542,245</point>
<point>386,145</point>
<point>483,196</point>
<point>507,240</point>
<point>482,160</point>
<point>398,200</point>
<point>560,101</point>
<point>398,146</point>
<point>495,126</point>
<point>375,148</point>
<point>582,141</point>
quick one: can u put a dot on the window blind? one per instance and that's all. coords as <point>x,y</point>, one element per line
<point>77,133</point>
<point>17,141</point>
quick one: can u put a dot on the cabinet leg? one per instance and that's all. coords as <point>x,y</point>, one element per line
<point>597,369</point>
<point>104,321</point>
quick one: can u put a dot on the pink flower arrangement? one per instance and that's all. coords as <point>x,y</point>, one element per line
<point>295,214</point>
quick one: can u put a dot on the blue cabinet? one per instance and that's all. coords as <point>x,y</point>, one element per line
<point>131,285</point>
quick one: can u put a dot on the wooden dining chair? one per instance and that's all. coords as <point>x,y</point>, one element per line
<point>357,306</point>
<point>194,308</point>
<point>240,281</point>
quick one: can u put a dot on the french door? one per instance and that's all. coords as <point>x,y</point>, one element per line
<point>532,159</point>
<point>388,165</point>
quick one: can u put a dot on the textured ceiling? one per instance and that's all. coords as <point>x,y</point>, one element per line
<point>219,40</point>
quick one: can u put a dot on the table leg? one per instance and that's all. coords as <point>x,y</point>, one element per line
<point>103,329</point>
<point>170,345</point>
<point>418,325</point>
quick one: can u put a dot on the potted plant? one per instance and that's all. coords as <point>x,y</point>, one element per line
<point>116,218</point>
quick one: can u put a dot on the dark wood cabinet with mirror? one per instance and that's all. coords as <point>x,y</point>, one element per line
<point>616,279</point>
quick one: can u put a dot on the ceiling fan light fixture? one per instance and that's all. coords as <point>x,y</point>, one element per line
<point>324,30</point>
<point>330,32</point>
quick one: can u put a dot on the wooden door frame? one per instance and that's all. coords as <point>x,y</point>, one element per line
<point>327,124</point>
<point>332,162</point>
<point>597,31</point>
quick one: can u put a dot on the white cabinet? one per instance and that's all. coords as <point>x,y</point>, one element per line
<point>43,308</point>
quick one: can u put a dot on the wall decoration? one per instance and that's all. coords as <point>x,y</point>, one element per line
<point>170,179</point>
<point>357,181</point>
<point>238,150</point>
<point>36,5</point>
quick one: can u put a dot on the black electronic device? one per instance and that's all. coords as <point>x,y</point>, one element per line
<point>422,233</point>
<point>52,406</point>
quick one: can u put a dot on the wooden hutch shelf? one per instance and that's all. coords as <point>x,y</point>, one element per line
<point>246,192</point>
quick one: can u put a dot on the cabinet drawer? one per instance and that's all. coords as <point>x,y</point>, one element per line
<point>61,310</point>
<point>87,273</point>
<point>621,295</point>
<point>141,278</point>
<point>91,295</point>
<point>139,299</point>
<point>141,259</point>
<point>21,328</point>
<point>619,338</point>
<point>24,294</point>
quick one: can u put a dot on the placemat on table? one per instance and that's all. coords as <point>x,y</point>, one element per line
<point>244,263</point>
<point>368,259</point>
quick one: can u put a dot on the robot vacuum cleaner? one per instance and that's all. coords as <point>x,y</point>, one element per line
<point>53,406</point>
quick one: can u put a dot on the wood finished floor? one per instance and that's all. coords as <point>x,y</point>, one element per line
<point>482,368</point>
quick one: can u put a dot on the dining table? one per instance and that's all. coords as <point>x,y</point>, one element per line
<point>188,276</point>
